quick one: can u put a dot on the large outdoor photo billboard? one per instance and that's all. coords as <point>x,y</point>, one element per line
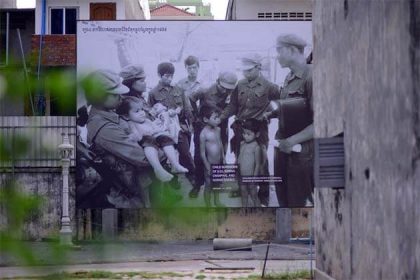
<point>194,114</point>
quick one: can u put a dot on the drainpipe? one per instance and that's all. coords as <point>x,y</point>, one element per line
<point>7,37</point>
<point>41,98</point>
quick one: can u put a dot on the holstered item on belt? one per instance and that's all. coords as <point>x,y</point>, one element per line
<point>294,115</point>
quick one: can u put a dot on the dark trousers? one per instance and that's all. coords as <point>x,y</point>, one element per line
<point>199,165</point>
<point>296,170</point>
<point>185,158</point>
<point>264,191</point>
<point>280,170</point>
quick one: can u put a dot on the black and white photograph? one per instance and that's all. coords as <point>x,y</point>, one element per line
<point>194,114</point>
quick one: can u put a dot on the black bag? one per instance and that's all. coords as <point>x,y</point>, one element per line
<point>294,115</point>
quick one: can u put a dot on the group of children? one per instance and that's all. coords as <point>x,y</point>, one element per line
<point>159,128</point>
<point>212,153</point>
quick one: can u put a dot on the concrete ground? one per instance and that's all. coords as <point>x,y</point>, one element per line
<point>193,269</point>
<point>190,259</point>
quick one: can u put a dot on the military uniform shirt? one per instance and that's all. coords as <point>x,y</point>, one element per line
<point>111,133</point>
<point>188,87</point>
<point>251,99</point>
<point>210,97</point>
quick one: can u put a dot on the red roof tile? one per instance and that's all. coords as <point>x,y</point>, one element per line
<point>169,10</point>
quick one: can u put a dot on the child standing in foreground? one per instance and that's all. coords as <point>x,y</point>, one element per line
<point>211,151</point>
<point>249,161</point>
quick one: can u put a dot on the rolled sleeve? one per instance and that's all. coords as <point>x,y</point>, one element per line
<point>273,92</point>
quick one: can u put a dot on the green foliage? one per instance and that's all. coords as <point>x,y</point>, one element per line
<point>98,274</point>
<point>62,87</point>
<point>94,91</point>
<point>14,82</point>
<point>16,205</point>
<point>13,147</point>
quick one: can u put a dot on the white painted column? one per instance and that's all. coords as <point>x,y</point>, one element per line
<point>65,151</point>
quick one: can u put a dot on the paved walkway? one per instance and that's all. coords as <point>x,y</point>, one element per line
<point>186,269</point>
<point>183,257</point>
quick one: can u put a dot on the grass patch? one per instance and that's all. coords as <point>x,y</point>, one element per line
<point>107,275</point>
<point>157,275</point>
<point>296,275</point>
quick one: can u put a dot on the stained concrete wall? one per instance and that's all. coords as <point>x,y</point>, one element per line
<point>142,224</point>
<point>367,85</point>
<point>47,184</point>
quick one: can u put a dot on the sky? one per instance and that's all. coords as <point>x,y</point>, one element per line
<point>218,7</point>
<point>21,4</point>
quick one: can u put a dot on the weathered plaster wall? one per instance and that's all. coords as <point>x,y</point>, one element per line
<point>367,85</point>
<point>47,184</point>
<point>143,224</point>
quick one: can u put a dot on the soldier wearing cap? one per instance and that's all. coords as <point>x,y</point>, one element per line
<point>173,97</point>
<point>217,96</point>
<point>250,100</point>
<point>296,169</point>
<point>134,78</point>
<point>110,139</point>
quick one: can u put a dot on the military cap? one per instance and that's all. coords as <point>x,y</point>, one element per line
<point>290,40</point>
<point>110,81</point>
<point>166,68</point>
<point>228,80</point>
<point>132,71</point>
<point>250,61</point>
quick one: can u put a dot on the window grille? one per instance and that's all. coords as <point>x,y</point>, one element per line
<point>286,16</point>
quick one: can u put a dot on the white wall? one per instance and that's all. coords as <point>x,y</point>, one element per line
<point>7,4</point>
<point>248,9</point>
<point>83,9</point>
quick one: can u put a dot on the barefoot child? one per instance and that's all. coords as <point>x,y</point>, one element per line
<point>211,150</point>
<point>151,135</point>
<point>249,161</point>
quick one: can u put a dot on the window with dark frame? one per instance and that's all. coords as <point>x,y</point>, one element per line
<point>63,20</point>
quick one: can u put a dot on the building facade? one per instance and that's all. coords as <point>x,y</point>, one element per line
<point>195,7</point>
<point>288,10</point>
<point>53,47</point>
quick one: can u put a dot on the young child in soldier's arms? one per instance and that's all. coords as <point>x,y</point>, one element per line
<point>167,120</point>
<point>151,135</point>
<point>211,150</point>
<point>249,160</point>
